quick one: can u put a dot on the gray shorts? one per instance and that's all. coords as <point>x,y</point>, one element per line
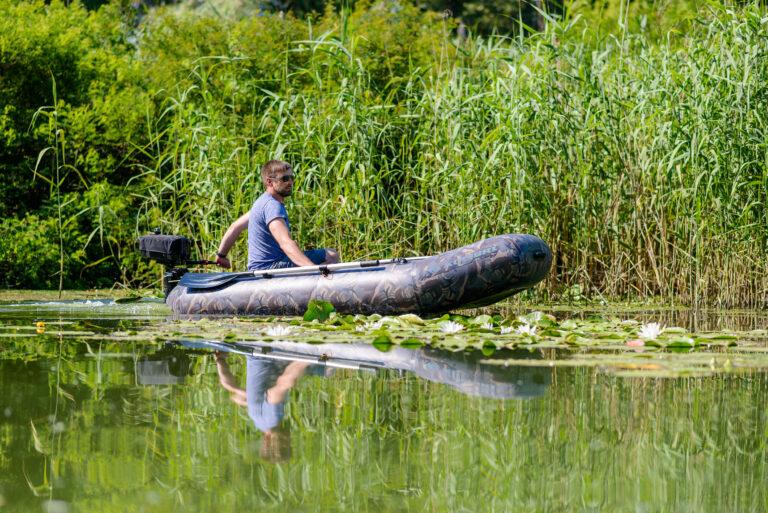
<point>316,255</point>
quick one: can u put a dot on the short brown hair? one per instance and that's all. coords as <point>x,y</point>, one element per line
<point>273,168</point>
<point>276,445</point>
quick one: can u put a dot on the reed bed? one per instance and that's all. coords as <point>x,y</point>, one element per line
<point>641,162</point>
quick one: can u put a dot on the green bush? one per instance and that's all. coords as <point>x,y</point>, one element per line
<point>639,158</point>
<point>102,100</point>
<point>29,253</point>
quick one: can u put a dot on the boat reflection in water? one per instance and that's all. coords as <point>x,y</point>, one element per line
<point>273,368</point>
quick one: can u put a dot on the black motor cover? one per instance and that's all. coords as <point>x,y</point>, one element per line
<point>170,250</point>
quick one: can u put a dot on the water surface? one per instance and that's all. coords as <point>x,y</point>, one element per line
<point>92,424</point>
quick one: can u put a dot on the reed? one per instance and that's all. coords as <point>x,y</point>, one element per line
<point>641,162</point>
<point>59,169</point>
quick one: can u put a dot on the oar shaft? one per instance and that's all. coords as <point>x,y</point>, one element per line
<point>203,281</point>
<point>286,356</point>
<point>268,273</point>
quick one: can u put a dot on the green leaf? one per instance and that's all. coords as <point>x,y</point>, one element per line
<point>610,336</point>
<point>382,336</point>
<point>384,348</point>
<point>411,319</point>
<point>723,336</point>
<point>571,339</point>
<point>318,310</point>
<point>481,319</point>
<point>412,343</point>
<point>681,342</point>
<point>547,322</point>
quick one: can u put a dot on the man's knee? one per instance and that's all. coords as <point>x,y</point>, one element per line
<point>332,256</point>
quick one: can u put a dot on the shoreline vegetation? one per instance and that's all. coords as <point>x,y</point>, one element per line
<point>637,149</point>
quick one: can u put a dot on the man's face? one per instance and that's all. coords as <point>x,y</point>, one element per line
<point>283,182</point>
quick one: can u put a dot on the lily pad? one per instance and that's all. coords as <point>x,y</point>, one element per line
<point>382,336</point>
<point>681,342</point>
<point>318,310</point>
<point>412,343</point>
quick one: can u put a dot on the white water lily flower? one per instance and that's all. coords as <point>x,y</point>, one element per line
<point>487,326</point>
<point>651,331</point>
<point>450,327</point>
<point>531,318</point>
<point>526,329</point>
<point>506,330</point>
<point>278,331</point>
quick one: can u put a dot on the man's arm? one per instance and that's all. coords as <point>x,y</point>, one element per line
<point>234,230</point>
<point>279,231</point>
<point>228,381</point>
<point>286,381</point>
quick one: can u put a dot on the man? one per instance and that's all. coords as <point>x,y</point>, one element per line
<point>270,245</point>
<point>267,385</point>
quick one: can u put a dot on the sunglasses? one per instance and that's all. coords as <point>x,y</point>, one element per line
<point>287,178</point>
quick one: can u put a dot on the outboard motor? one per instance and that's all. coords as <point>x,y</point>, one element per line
<point>172,251</point>
<point>168,366</point>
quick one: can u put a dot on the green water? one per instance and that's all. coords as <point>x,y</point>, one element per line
<point>82,428</point>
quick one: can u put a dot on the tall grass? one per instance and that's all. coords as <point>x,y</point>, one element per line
<point>60,170</point>
<point>641,163</point>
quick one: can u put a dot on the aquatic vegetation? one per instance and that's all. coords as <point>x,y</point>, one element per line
<point>85,430</point>
<point>94,427</point>
<point>565,338</point>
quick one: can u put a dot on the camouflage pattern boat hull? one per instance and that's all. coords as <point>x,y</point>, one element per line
<point>476,275</point>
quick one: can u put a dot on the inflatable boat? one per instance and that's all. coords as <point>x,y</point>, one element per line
<point>471,276</point>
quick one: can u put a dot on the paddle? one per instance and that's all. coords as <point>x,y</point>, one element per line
<point>278,354</point>
<point>214,280</point>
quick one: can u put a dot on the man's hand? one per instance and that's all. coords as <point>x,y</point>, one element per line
<point>223,262</point>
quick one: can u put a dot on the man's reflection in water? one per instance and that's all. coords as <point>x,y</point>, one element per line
<point>267,385</point>
<point>269,381</point>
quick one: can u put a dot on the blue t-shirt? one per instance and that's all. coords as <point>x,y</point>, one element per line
<point>261,376</point>
<point>263,249</point>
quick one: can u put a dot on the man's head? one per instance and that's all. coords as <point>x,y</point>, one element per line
<point>276,445</point>
<point>278,177</point>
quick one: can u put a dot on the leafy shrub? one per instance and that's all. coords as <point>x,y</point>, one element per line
<point>29,253</point>
<point>84,58</point>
